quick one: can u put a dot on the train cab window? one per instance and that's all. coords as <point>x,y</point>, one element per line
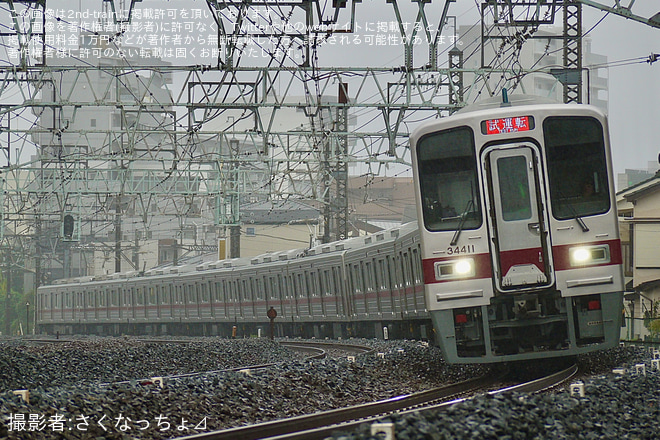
<point>447,169</point>
<point>577,167</point>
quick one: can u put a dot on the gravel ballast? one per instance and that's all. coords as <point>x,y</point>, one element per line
<point>67,400</point>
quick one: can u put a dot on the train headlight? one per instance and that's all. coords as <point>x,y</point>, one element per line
<point>589,255</point>
<point>454,269</point>
<point>463,267</point>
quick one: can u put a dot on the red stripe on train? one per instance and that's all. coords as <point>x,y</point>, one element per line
<point>562,260</point>
<point>483,268</point>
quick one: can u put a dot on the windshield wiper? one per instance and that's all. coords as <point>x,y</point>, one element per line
<point>574,213</point>
<point>461,222</point>
<point>581,222</point>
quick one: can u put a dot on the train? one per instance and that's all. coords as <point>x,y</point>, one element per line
<point>519,232</point>
<point>359,287</point>
<point>515,255</point>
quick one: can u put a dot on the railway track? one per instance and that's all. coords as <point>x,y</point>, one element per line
<point>315,350</point>
<point>321,425</point>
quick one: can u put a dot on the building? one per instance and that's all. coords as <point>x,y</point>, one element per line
<point>633,177</point>
<point>639,224</point>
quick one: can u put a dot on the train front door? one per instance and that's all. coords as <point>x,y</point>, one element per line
<point>517,216</point>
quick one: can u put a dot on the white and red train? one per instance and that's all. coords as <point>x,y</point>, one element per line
<point>516,256</point>
<point>519,235</point>
<point>356,287</point>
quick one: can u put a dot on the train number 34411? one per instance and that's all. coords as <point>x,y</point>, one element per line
<point>467,249</point>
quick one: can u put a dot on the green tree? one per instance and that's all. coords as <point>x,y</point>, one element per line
<point>17,309</point>
<point>654,328</point>
<point>651,321</point>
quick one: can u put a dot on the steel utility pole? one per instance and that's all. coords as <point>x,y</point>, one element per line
<point>8,292</point>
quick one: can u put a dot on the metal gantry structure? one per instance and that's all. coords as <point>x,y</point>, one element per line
<point>115,139</point>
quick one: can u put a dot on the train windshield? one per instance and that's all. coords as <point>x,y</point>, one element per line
<point>577,168</point>
<point>448,180</point>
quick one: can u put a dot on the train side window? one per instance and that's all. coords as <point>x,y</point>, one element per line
<point>302,286</point>
<point>358,280</point>
<point>260,289</point>
<point>165,295</point>
<point>325,288</point>
<point>267,288</point>
<point>274,289</point>
<point>215,291</point>
<point>309,286</point>
<point>233,285</point>
<point>405,263</point>
<point>246,289</point>
<point>336,280</point>
<point>314,281</point>
<point>205,292</point>
<point>577,166</point>
<point>192,293</point>
<point>417,265</point>
<point>449,185</point>
<point>286,287</point>
<point>369,276</point>
<point>224,293</point>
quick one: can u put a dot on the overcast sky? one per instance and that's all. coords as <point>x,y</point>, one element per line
<point>634,96</point>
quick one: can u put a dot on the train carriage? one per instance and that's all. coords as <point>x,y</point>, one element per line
<point>354,287</point>
<point>520,247</point>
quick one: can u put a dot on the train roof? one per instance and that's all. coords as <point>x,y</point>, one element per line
<point>512,101</point>
<point>384,236</point>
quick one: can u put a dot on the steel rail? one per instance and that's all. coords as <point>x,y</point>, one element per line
<point>322,425</point>
<point>296,426</point>
<point>315,353</point>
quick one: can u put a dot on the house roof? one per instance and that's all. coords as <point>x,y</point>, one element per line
<point>641,189</point>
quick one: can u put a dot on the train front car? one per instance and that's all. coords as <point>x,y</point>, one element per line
<point>520,243</point>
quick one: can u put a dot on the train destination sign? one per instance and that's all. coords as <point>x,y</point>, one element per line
<point>507,125</point>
